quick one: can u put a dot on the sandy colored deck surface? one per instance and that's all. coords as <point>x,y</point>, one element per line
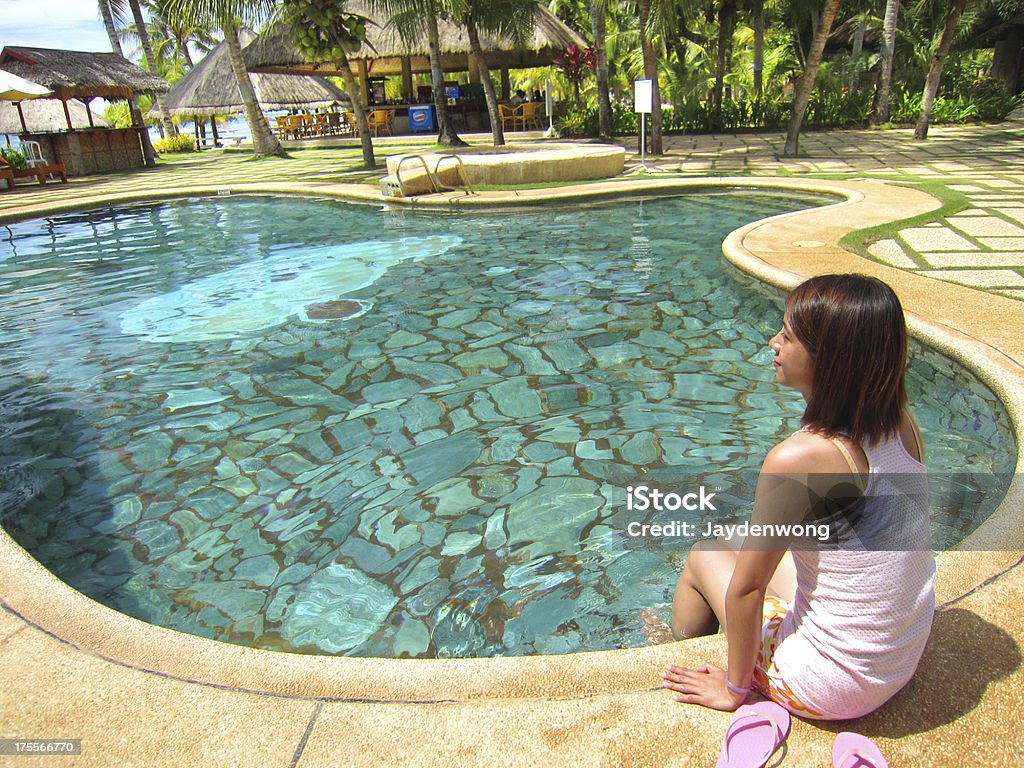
<point>140,695</point>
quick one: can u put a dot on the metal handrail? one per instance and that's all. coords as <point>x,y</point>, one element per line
<point>432,178</point>
<point>437,179</point>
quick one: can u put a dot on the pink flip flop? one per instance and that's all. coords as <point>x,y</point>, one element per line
<point>755,732</point>
<point>851,750</point>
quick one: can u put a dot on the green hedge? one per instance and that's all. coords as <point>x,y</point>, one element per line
<point>178,143</point>
<point>831,109</point>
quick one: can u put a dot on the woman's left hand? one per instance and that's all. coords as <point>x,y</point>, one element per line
<point>704,686</point>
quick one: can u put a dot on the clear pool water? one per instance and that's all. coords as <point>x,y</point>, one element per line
<point>320,427</point>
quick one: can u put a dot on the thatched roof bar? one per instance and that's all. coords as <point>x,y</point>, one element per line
<point>79,74</point>
<point>46,116</point>
<point>275,50</point>
<point>209,88</point>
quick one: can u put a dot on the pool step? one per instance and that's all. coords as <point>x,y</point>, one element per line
<point>413,176</point>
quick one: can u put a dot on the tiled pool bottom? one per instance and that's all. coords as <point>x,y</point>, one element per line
<point>427,471</point>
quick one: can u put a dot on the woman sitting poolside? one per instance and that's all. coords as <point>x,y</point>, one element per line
<point>827,633</point>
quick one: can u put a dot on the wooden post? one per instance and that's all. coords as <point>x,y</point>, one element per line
<point>506,88</point>
<point>407,93</point>
<point>67,115</point>
<point>364,82</point>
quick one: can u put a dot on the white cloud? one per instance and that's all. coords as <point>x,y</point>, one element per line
<point>70,24</point>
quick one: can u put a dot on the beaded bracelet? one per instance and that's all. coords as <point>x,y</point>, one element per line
<point>735,688</point>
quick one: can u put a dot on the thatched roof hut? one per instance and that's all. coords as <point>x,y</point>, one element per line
<point>275,50</point>
<point>46,116</point>
<point>209,88</point>
<point>80,75</point>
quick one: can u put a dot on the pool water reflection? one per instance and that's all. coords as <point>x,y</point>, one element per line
<point>322,427</point>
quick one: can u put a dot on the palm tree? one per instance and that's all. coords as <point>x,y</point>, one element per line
<point>470,22</point>
<point>509,18</point>
<point>173,35</point>
<point>109,10</point>
<point>758,13</point>
<point>810,74</point>
<point>147,48</point>
<point>726,23</point>
<point>413,18</point>
<point>892,10</point>
<point>651,73</point>
<point>931,86</point>
<point>598,22</point>
<point>229,15</point>
<point>327,32</point>
<point>108,15</point>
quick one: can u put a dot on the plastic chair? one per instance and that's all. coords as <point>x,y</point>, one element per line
<point>33,153</point>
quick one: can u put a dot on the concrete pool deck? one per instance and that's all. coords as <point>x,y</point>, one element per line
<point>138,695</point>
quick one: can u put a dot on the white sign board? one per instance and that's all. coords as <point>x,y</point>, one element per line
<point>643,96</point>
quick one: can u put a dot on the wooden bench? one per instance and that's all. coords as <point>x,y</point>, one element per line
<point>10,173</point>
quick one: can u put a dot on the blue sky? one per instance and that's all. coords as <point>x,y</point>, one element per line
<point>71,24</point>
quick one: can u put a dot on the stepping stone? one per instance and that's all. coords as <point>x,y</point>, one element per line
<point>924,239</point>
<point>978,278</point>
<point>990,226</point>
<point>953,260</point>
<point>890,252</point>
<point>1003,243</point>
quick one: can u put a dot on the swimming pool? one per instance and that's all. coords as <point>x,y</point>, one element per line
<point>321,427</point>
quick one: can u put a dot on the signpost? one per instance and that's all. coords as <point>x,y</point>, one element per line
<point>549,108</point>
<point>643,100</point>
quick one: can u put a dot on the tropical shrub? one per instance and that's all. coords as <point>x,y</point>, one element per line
<point>990,106</point>
<point>14,156</point>
<point>575,122</point>
<point>576,63</point>
<point>178,143</point>
<point>830,108</point>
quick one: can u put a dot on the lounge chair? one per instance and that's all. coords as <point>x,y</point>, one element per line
<point>39,171</point>
<point>6,174</point>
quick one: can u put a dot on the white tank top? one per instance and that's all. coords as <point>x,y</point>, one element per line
<point>861,615</point>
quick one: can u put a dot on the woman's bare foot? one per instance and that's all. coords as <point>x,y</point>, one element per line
<point>656,629</point>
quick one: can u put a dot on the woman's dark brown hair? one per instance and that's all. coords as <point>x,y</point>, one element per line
<point>854,329</point>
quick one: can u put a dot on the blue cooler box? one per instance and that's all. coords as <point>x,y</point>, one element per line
<point>421,118</point>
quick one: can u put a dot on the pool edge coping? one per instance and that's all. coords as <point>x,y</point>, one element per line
<point>44,602</point>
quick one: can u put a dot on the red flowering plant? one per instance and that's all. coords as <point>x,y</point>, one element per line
<point>575,63</point>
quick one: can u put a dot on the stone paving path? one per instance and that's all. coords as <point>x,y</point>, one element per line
<point>977,241</point>
<point>980,245</point>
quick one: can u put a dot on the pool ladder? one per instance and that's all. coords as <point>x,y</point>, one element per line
<point>433,175</point>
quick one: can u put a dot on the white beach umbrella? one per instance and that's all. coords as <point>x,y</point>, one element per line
<point>17,89</point>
